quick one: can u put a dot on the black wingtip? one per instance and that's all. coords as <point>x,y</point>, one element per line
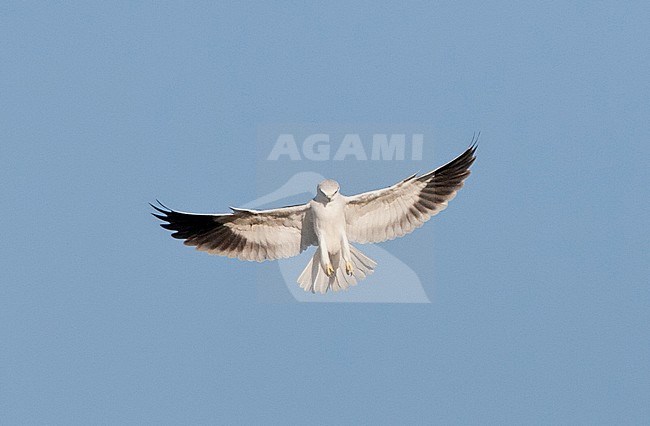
<point>163,206</point>
<point>474,143</point>
<point>165,211</point>
<point>158,209</point>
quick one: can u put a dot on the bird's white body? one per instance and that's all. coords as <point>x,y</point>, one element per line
<point>329,223</point>
<point>328,217</point>
<point>336,264</point>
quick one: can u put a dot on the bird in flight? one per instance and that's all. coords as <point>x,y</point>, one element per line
<point>330,221</point>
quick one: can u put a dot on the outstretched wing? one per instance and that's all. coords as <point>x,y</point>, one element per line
<point>244,234</point>
<point>392,212</point>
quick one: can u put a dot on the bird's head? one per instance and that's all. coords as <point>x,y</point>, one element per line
<point>328,188</point>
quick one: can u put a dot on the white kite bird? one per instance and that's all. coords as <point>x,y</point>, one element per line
<point>330,221</point>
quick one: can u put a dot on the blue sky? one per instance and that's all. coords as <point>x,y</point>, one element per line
<point>538,276</point>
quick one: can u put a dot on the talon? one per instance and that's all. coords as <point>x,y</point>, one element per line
<point>330,270</point>
<point>349,268</point>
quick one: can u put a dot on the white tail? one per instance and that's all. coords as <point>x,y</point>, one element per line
<point>314,278</point>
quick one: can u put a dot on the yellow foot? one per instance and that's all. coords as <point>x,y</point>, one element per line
<point>330,270</point>
<point>349,268</point>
